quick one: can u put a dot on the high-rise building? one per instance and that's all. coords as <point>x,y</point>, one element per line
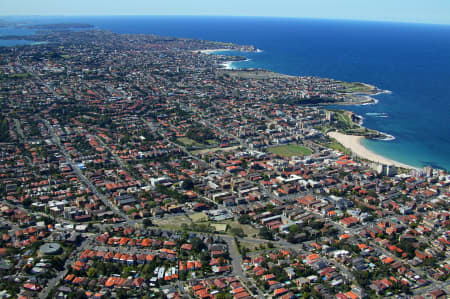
<point>428,171</point>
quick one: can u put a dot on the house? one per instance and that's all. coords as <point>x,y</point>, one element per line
<point>438,294</point>
<point>290,272</point>
<point>32,287</point>
<point>221,269</point>
<point>125,199</point>
<point>279,292</point>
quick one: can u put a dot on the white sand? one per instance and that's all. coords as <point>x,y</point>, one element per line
<point>353,143</point>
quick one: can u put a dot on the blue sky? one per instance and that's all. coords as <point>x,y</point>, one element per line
<point>422,11</point>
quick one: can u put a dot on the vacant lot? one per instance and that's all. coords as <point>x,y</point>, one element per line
<point>220,228</point>
<point>215,149</point>
<point>199,217</point>
<point>249,230</point>
<point>175,222</point>
<point>290,150</point>
<point>187,141</point>
<point>255,247</point>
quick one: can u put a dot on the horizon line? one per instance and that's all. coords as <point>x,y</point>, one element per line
<point>228,16</point>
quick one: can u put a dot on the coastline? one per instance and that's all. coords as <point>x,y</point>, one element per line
<point>211,51</point>
<point>353,143</point>
<point>361,100</point>
<point>227,65</point>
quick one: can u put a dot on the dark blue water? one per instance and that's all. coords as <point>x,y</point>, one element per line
<point>411,60</point>
<point>5,31</point>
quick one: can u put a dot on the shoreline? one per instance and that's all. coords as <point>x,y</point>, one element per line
<point>211,51</point>
<point>227,65</point>
<point>361,101</point>
<point>353,142</point>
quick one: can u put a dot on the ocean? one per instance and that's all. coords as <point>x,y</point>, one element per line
<point>410,60</point>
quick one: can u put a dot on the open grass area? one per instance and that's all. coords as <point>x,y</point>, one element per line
<point>254,74</point>
<point>343,120</point>
<point>252,247</point>
<point>290,150</point>
<point>249,230</point>
<point>211,141</point>
<point>197,220</point>
<point>351,87</point>
<point>199,217</point>
<point>337,146</point>
<point>226,225</point>
<point>220,228</point>
<point>255,247</point>
<point>215,149</point>
<point>346,118</point>
<point>13,76</point>
<point>174,223</point>
<point>187,141</point>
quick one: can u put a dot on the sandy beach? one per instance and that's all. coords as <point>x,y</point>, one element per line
<point>353,143</point>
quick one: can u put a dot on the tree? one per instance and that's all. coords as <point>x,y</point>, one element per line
<point>238,231</point>
<point>27,202</point>
<point>316,224</point>
<point>224,296</point>
<point>78,294</point>
<point>4,129</point>
<point>245,219</point>
<point>58,263</point>
<point>279,273</point>
<point>362,277</point>
<point>244,251</point>
<point>197,244</point>
<point>291,237</point>
<point>122,294</point>
<point>91,272</point>
<point>130,211</point>
<point>294,229</point>
<point>147,222</point>
<point>266,233</point>
<point>188,184</point>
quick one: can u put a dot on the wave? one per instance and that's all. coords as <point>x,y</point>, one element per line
<point>227,65</point>
<point>360,120</point>
<point>378,114</point>
<point>373,102</point>
<point>387,137</point>
<point>383,92</point>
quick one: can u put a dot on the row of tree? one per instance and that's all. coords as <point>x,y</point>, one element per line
<point>4,129</point>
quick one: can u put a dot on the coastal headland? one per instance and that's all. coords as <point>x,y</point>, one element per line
<point>350,93</point>
<point>211,51</point>
<point>345,93</point>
